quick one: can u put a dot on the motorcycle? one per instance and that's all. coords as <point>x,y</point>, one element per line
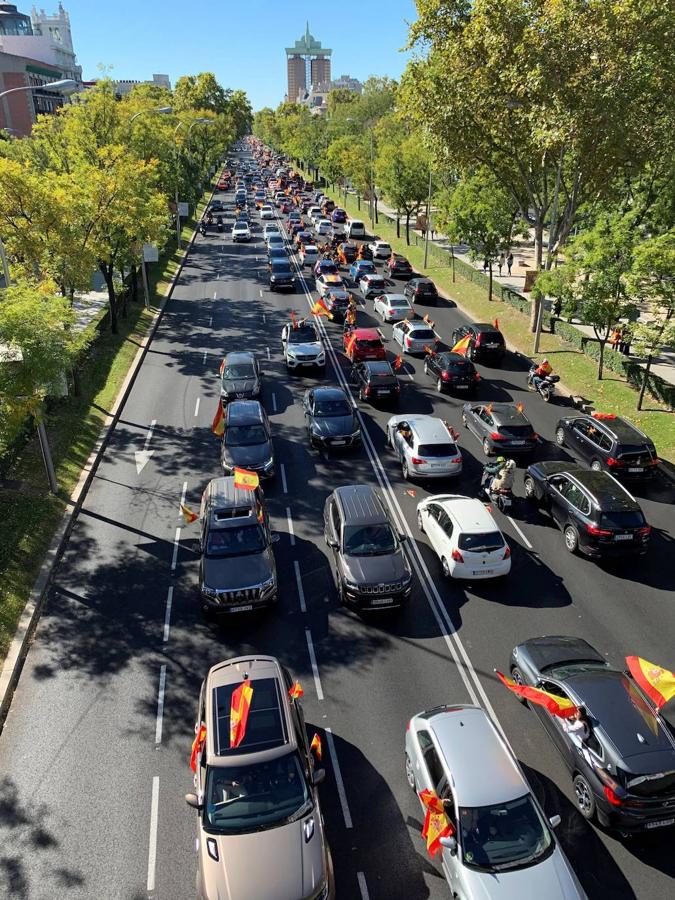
<point>219,223</point>
<point>202,229</point>
<point>502,498</point>
<point>546,386</point>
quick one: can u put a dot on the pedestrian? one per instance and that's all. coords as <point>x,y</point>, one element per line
<point>486,264</point>
<point>500,262</point>
<point>615,337</point>
<point>626,338</point>
<point>509,262</point>
<point>433,232</point>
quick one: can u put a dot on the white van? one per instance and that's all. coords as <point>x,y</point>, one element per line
<point>356,228</point>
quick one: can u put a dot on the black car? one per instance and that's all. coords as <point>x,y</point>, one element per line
<point>421,290</point>
<point>500,427</point>
<point>609,443</point>
<point>277,252</point>
<point>281,275</point>
<point>596,514</point>
<point>452,372</point>
<point>239,377</point>
<point>337,302</point>
<point>375,380</point>
<point>624,771</point>
<point>398,267</point>
<point>331,418</point>
<point>486,344</point>
<point>247,439</point>
<point>217,206</point>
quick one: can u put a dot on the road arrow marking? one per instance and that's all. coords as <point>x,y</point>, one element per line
<point>142,457</point>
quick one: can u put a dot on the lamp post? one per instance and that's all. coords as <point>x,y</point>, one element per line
<point>158,109</point>
<point>428,223</point>
<point>201,121</point>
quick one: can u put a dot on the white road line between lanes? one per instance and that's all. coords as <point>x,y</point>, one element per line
<point>268,353</point>
<point>182,499</point>
<point>274,402</point>
<point>315,668</point>
<point>519,531</point>
<point>363,887</point>
<point>176,542</point>
<point>284,485</point>
<point>261,293</point>
<point>197,406</point>
<point>167,614</point>
<point>204,358</point>
<point>298,581</point>
<point>289,519</point>
<point>339,783</point>
<point>211,322</point>
<point>264,319</point>
<point>152,847</point>
<point>215,293</point>
<point>160,705</point>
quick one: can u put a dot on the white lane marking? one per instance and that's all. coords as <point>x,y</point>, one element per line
<point>215,294</point>
<point>289,519</point>
<point>204,357</point>
<point>211,322</point>
<point>315,668</point>
<point>274,402</point>
<point>284,485</point>
<point>152,847</point>
<point>142,457</point>
<point>160,705</point>
<point>264,319</point>
<point>197,406</point>
<point>268,353</point>
<point>261,293</point>
<point>363,887</point>
<point>298,581</point>
<point>167,614</point>
<point>519,531</point>
<point>176,542</point>
<point>182,498</point>
<point>339,783</point>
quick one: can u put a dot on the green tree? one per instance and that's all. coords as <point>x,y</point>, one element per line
<point>402,171</point>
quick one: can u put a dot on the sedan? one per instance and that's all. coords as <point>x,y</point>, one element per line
<point>323,227</point>
<point>337,300</point>
<point>500,427</point>
<point>398,267</point>
<point>465,537</point>
<point>241,232</point>
<point>361,267</point>
<point>266,212</point>
<point>425,446</point>
<point>414,337</point>
<point>452,372</point>
<point>309,254</point>
<point>393,307</point>
<point>380,249</point>
<point>325,267</point>
<point>371,285</point>
<point>270,228</point>
<point>375,380</point>
<point>326,283</point>
<point>331,419</point>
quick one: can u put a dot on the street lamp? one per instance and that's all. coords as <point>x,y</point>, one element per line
<point>159,109</point>
<point>201,121</point>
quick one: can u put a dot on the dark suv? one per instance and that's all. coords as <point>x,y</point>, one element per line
<point>421,290</point>
<point>486,343</point>
<point>281,275</point>
<point>596,514</point>
<point>247,440</point>
<point>237,572</point>
<point>608,442</point>
<point>371,570</point>
<point>452,372</point>
<point>375,381</point>
<point>397,267</point>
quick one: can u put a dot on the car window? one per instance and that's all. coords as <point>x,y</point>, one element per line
<point>222,542</point>
<point>503,835</point>
<point>239,370</point>
<point>245,435</point>
<point>574,495</point>
<point>437,450</point>
<point>434,766</point>
<point>369,540</point>
<point>605,442</point>
<point>434,510</point>
<point>445,522</point>
<point>332,407</point>
<point>622,519</point>
<point>481,542</point>
<point>334,518</point>
<point>485,416</point>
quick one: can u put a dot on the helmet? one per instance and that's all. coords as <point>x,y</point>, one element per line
<point>501,459</point>
<point>544,362</point>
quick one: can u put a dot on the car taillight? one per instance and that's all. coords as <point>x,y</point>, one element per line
<point>496,436</point>
<point>445,376</point>
<point>408,341</point>
<point>611,796</point>
<point>534,436</point>
<point>507,552</point>
<point>457,556</point>
<point>456,459</point>
<point>397,388</point>
<point>615,462</point>
<point>644,531</point>
<point>598,532</point>
<point>476,377</point>
<point>366,391</point>
<point>418,290</point>
<point>416,461</point>
<point>653,462</point>
<point>477,341</point>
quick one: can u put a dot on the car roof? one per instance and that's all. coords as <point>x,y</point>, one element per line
<point>367,334</point>
<point>419,325</point>
<point>482,769</point>
<point>373,276</point>
<point>397,300</point>
<point>604,487</point>
<point>330,393</point>
<point>504,413</point>
<point>429,429</point>
<point>379,366</point>
<point>559,649</point>
<point>223,494</point>
<point>469,512</point>
<point>622,429</point>
<point>240,356</point>
<point>483,326</point>
<point>451,358</point>
<point>244,412</point>
<point>361,504</point>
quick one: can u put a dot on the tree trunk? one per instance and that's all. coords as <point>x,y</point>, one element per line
<point>76,382</point>
<point>123,311</point>
<point>134,284</point>
<point>601,358</point>
<point>535,303</point>
<point>358,202</point>
<point>538,242</point>
<point>377,221</point>
<point>398,226</point>
<point>452,257</point>
<point>490,281</point>
<point>407,228</point>
<point>645,378</point>
<point>107,272</point>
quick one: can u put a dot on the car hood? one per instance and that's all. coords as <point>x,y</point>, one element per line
<point>240,385</point>
<point>375,569</point>
<point>234,572</point>
<point>276,864</point>
<point>251,455</point>
<point>331,426</point>
<point>552,878</point>
<point>310,347</point>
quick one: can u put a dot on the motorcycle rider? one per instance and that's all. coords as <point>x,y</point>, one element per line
<point>540,373</point>
<point>503,481</point>
<point>491,471</point>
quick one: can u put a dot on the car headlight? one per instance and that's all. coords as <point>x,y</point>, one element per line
<point>356,433</point>
<point>209,591</point>
<point>351,585</point>
<point>268,465</point>
<point>291,352</point>
<point>267,586</point>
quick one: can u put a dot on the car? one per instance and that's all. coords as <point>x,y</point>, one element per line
<point>277,251</point>
<point>270,228</point>
<point>500,427</point>
<point>356,229</point>
<point>240,376</point>
<point>217,206</point>
<point>267,212</point>
<point>361,267</point>
<point>223,184</point>
<point>338,232</point>
<point>331,419</point>
<point>397,267</point>
<point>486,343</point>
<point>361,344</point>
<point>337,300</point>
<point>237,571</point>
<point>274,239</point>
<point>370,568</point>
<point>380,249</point>
<point>309,254</point>
<point>285,207</point>
<point>314,212</point>
<point>304,237</point>
<point>325,283</point>
<point>393,307</point>
<point>608,442</point>
<point>295,229</point>
<point>371,285</point>
<point>623,772</point>
<point>241,231</point>
<point>501,846</point>
<point>281,274</point>
<point>347,251</point>
<point>425,446</point>
<point>272,773</point>
<point>597,515</point>
<point>301,346</point>
<point>375,380</point>
<point>464,536</point>
<point>243,216</point>
<point>279,198</point>
<point>327,206</point>
<point>323,226</point>
<point>415,336</point>
<point>338,216</point>
<point>247,439</point>
<point>452,372</point>
<point>316,217</point>
<point>325,267</point>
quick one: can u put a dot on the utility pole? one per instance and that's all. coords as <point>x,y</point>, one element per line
<point>428,223</point>
<point>5,266</point>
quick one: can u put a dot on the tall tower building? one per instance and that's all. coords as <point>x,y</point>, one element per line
<point>297,77</point>
<point>320,71</point>
<point>308,64</point>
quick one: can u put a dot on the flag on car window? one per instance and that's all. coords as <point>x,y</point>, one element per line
<point>218,424</point>
<point>316,747</point>
<point>496,324</point>
<point>239,709</point>
<point>197,746</point>
<point>246,480</point>
<point>295,692</point>
<point>462,345</point>
<point>657,683</point>
<point>320,309</point>
<point>189,515</point>
<point>398,362</point>
<point>557,706</point>
<point>436,823</point>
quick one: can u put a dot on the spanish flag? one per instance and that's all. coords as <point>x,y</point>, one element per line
<point>428,321</point>
<point>496,324</point>
<point>296,692</point>
<point>189,515</point>
<point>294,319</point>
<point>657,683</point>
<point>246,480</point>
<point>315,747</point>
<point>320,309</point>
<point>197,746</point>
<point>239,707</point>
<point>557,706</point>
<point>398,362</point>
<point>436,823</point>
<point>462,345</point>
<point>519,407</point>
<point>429,350</point>
<point>222,368</point>
<point>218,424</point>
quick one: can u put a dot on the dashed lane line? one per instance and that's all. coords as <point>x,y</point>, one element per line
<point>167,614</point>
<point>160,705</point>
<point>176,543</point>
<point>298,581</point>
<point>291,532</point>
<point>152,846</point>
<point>339,783</point>
<point>312,660</point>
<point>284,485</point>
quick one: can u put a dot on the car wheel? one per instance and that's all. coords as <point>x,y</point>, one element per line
<point>596,465</point>
<point>404,470</point>
<point>445,567</point>
<point>439,386</point>
<point>530,489</point>
<point>420,522</point>
<point>584,797</point>
<point>409,774</point>
<point>464,422</point>
<point>560,437</point>
<point>426,368</point>
<point>517,676</point>
<point>571,539</point>
<point>487,449</point>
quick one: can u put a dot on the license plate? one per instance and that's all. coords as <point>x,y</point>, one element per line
<point>492,346</point>
<point>236,609</point>
<point>382,601</point>
<point>384,391</point>
<point>339,443</point>
<point>518,443</point>
<point>623,537</point>
<point>461,387</point>
<point>662,823</point>
<point>482,572</point>
<point>636,470</point>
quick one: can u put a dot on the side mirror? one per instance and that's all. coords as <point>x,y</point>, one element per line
<point>332,542</point>
<point>554,821</point>
<point>403,538</point>
<point>193,801</point>
<point>318,775</point>
<point>275,537</point>
<point>450,843</point>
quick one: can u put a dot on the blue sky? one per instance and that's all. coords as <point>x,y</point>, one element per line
<point>241,41</point>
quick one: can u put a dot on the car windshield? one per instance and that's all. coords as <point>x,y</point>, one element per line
<point>422,334</point>
<point>447,449</point>
<point>481,543</point>
<point>255,797</point>
<point>336,407</point>
<point>369,540</point>
<point>239,370</point>
<point>507,835</point>
<point>235,541</point>
<point>515,431</point>
<point>245,435</point>
<point>302,335</point>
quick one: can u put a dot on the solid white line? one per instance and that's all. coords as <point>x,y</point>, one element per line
<point>167,614</point>
<point>519,531</point>
<point>363,887</point>
<point>197,406</point>
<point>268,353</point>
<point>148,436</point>
<point>211,322</point>
<point>152,848</point>
<point>215,293</point>
<point>298,581</point>
<point>274,402</point>
<point>204,357</point>
<point>264,319</point>
<point>284,486</point>
<point>160,705</point>
<point>289,519</point>
<point>315,668</point>
<point>339,783</point>
<point>261,293</point>
<point>182,498</point>
<point>176,542</point>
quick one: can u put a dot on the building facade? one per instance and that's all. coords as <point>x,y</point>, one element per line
<point>125,85</point>
<point>297,77</point>
<point>347,83</point>
<point>308,64</point>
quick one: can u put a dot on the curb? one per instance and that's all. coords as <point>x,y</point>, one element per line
<point>18,649</point>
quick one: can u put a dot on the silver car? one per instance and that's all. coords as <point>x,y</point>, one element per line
<point>425,446</point>
<point>502,845</point>
<point>415,336</point>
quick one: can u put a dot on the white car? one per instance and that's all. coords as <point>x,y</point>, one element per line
<point>324,226</point>
<point>414,337</point>
<point>241,232</point>
<point>425,446</point>
<point>309,254</point>
<point>271,228</point>
<point>301,346</point>
<point>326,283</point>
<point>356,229</point>
<point>338,230</point>
<point>266,212</point>
<point>314,212</point>
<point>380,249</point>
<point>393,307</point>
<point>465,537</point>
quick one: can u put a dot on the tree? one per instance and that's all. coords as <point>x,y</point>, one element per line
<point>196,92</point>
<point>402,169</point>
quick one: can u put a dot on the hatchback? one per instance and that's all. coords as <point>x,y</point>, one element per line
<point>337,300</point>
<point>425,446</point>
<point>326,283</point>
<point>361,267</point>
<point>270,228</point>
<point>371,285</point>
<point>247,440</point>
<point>452,372</point>
<point>486,343</point>
<point>266,212</point>
<point>380,249</point>
<point>608,442</point>
<point>323,226</point>
<point>239,376</point>
<point>393,307</point>
<point>414,337</point>
<point>331,419</point>
<point>375,380</point>
<point>397,267</point>
<point>421,290</point>
<point>500,427</point>
<point>361,344</point>
<point>308,254</point>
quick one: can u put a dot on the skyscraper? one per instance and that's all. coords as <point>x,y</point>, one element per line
<point>308,64</point>
<point>297,77</point>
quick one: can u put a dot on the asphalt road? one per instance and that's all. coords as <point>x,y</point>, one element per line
<point>94,753</point>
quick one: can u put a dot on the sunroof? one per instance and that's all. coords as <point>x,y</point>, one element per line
<point>266,727</point>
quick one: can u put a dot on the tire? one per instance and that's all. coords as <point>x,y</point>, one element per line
<point>545,394</point>
<point>596,465</point>
<point>560,437</point>
<point>409,774</point>
<point>584,798</point>
<point>404,470</point>
<point>517,676</point>
<point>571,539</point>
<point>530,488</point>
<point>487,449</point>
<point>420,522</point>
<point>439,386</point>
<point>426,368</point>
<point>464,422</point>
<point>445,567</point>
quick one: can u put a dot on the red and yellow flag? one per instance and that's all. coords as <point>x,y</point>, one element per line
<point>462,345</point>
<point>222,367</point>
<point>428,321</point>
<point>218,424</point>
<point>294,319</point>
<point>519,407</point>
<point>320,309</point>
<point>295,692</point>
<point>189,515</point>
<point>496,324</point>
<point>657,683</point>
<point>429,350</point>
<point>197,746</point>
<point>436,823</point>
<point>316,747</point>
<point>557,706</point>
<point>239,708</point>
<point>398,362</point>
<point>247,481</point>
